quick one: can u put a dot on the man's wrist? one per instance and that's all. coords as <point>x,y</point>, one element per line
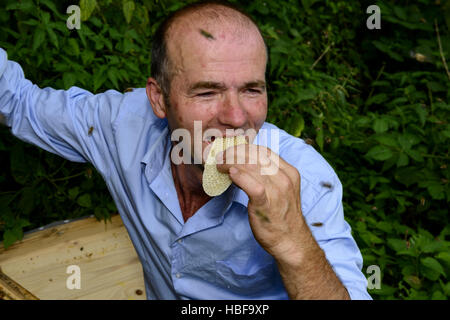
<point>295,251</point>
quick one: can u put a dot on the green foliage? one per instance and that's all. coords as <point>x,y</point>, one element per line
<point>375,103</point>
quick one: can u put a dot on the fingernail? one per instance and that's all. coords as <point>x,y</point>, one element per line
<point>233,170</point>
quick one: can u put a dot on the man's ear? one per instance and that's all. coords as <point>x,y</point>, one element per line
<point>156,98</point>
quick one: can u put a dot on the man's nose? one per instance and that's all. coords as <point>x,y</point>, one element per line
<point>233,112</point>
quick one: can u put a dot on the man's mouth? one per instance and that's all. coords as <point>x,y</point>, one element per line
<point>210,139</point>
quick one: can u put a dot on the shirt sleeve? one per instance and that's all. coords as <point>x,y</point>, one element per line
<point>335,238</point>
<point>74,124</point>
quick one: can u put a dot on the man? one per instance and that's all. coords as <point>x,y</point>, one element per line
<point>208,65</point>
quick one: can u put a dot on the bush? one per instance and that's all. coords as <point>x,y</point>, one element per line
<point>375,103</point>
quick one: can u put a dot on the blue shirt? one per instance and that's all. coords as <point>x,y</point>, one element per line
<point>214,254</point>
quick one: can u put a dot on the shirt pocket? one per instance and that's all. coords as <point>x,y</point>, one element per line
<point>247,283</point>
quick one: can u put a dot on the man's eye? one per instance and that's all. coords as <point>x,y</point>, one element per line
<point>253,91</point>
<point>205,94</point>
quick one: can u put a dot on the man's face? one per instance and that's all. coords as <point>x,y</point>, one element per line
<point>219,81</point>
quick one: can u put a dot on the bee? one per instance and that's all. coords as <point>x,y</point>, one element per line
<point>206,34</point>
<point>317,224</point>
<point>91,129</point>
<point>327,185</point>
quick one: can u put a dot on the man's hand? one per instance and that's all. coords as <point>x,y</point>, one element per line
<point>276,219</point>
<point>2,120</point>
<point>273,188</point>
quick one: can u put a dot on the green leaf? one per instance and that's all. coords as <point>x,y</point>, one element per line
<point>272,33</point>
<point>414,154</point>
<point>436,191</point>
<point>31,22</point>
<point>444,256</point>
<point>85,201</point>
<point>362,121</point>
<point>319,138</point>
<point>422,113</point>
<point>407,140</point>
<point>385,226</point>
<point>380,125</point>
<point>87,7</point>
<point>127,44</point>
<point>73,48</point>
<point>446,288</point>
<point>413,281</point>
<point>402,160</point>
<point>305,94</point>
<point>52,7</point>
<point>436,86</point>
<point>433,246</point>
<point>9,237</point>
<point>387,49</point>
<point>397,244</point>
<point>73,192</point>
<point>112,75</point>
<point>26,202</point>
<point>377,99</point>
<point>26,5</point>
<point>69,79</point>
<point>400,12</point>
<point>45,17</point>
<point>296,126</point>
<point>438,295</point>
<point>387,140</point>
<point>18,164</point>
<point>87,56</point>
<point>52,36</point>
<point>12,235</point>
<point>385,290</point>
<point>407,176</point>
<point>21,223</point>
<point>379,153</point>
<point>38,38</point>
<point>128,9</point>
<point>99,78</point>
<point>432,264</point>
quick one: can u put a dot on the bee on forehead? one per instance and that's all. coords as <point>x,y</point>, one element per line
<point>206,34</point>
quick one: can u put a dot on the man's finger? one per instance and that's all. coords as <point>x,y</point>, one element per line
<point>269,161</point>
<point>252,187</point>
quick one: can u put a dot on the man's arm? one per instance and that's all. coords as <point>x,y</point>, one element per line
<point>284,232</point>
<point>58,121</point>
<point>306,273</point>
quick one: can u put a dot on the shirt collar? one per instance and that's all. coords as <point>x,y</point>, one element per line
<point>153,159</point>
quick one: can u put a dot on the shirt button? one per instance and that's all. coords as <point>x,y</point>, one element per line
<point>178,275</point>
<point>180,241</point>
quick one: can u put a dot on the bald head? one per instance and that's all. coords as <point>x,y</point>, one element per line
<point>193,30</point>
